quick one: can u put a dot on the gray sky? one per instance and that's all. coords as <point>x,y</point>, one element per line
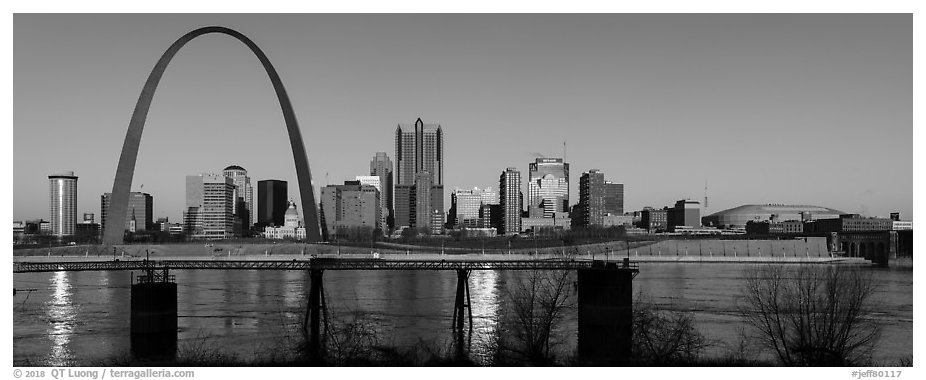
<point>808,109</point>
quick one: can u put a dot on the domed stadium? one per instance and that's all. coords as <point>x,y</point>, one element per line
<point>738,216</point>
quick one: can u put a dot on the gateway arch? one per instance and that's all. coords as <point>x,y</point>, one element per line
<point>115,224</point>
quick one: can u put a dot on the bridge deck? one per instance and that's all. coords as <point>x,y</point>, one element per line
<point>324,264</point>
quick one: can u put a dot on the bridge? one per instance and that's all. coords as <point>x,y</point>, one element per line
<point>604,289</point>
<point>313,264</point>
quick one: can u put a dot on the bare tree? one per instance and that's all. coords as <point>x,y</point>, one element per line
<point>539,301</point>
<point>812,315</point>
<point>662,336</point>
<point>352,340</point>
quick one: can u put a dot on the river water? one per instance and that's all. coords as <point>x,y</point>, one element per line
<point>82,318</point>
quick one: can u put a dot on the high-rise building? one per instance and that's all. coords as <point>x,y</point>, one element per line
<point>62,203</point>
<point>419,164</point>
<point>348,206</point>
<point>465,206</point>
<point>375,181</point>
<point>429,204</point>
<point>140,209</point>
<point>209,200</point>
<point>613,198</point>
<point>598,199</point>
<point>243,207</point>
<point>686,212</point>
<point>548,187</point>
<point>272,202</point>
<point>381,166</point>
<point>509,197</point>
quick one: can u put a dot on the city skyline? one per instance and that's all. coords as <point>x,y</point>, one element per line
<point>735,114</point>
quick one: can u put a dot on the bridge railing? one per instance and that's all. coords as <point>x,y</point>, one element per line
<point>324,264</point>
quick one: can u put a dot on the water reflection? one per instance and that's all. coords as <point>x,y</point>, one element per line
<point>77,318</point>
<point>61,316</point>
<point>485,303</point>
<point>293,291</point>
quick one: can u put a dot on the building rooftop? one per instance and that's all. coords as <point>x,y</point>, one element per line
<point>777,208</point>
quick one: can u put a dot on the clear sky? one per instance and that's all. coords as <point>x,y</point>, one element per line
<point>802,109</point>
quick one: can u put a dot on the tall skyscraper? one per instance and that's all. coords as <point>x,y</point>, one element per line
<point>209,200</point>
<point>272,202</point>
<point>243,195</point>
<point>509,197</point>
<point>349,205</point>
<point>381,166</point>
<point>62,203</point>
<point>419,188</point>
<point>548,187</point>
<point>598,198</point>
<point>141,209</point>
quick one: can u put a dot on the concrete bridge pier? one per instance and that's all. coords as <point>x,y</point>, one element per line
<point>462,310</point>
<point>153,324</point>
<point>316,312</point>
<point>605,312</point>
<point>462,303</point>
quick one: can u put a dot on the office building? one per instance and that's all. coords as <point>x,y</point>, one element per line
<point>19,231</point>
<point>62,203</point>
<point>376,181</point>
<point>44,226</point>
<point>138,215</point>
<point>849,223</point>
<point>558,222</point>
<point>599,200</point>
<point>490,216</point>
<point>548,187</point>
<point>686,213</point>
<point>272,202</point>
<point>613,198</point>
<point>161,224</point>
<point>614,220</point>
<point>381,166</point>
<point>209,200</point>
<point>243,204</point>
<point>902,225</point>
<point>509,197</point>
<point>466,206</point>
<point>654,220</point>
<point>419,176</point>
<point>774,227</point>
<point>348,207</point>
<point>87,229</point>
